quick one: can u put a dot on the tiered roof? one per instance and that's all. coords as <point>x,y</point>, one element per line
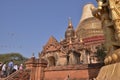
<point>52,45</point>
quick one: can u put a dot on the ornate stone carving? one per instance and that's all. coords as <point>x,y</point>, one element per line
<point>108,12</point>
<point>114,6</point>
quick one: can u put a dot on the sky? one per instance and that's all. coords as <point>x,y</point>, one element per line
<point>26,25</point>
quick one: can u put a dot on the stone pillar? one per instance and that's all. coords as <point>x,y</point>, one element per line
<point>88,58</point>
<point>84,57</point>
<point>30,65</point>
<point>39,69</point>
<point>72,59</point>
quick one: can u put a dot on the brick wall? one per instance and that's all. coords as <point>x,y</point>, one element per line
<point>75,72</point>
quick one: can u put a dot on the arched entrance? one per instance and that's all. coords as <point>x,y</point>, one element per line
<point>74,57</point>
<point>51,61</point>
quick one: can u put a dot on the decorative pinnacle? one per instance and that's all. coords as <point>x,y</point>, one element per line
<point>61,39</point>
<point>69,21</point>
<point>81,40</point>
<point>33,55</point>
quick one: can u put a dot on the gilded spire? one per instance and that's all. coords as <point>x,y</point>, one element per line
<point>81,40</point>
<point>87,13</point>
<point>70,31</point>
<point>69,22</point>
<point>75,34</point>
<point>61,39</point>
<point>33,56</point>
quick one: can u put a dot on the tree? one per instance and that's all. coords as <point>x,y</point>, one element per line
<point>16,57</point>
<point>101,52</point>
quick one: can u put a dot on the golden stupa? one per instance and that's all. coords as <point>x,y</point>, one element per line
<point>89,27</point>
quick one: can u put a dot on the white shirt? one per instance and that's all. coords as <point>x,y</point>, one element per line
<point>15,67</point>
<point>4,67</point>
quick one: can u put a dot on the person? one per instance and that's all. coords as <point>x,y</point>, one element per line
<point>10,67</point>
<point>0,64</point>
<point>4,70</point>
<point>21,67</point>
<point>15,68</point>
<point>0,69</point>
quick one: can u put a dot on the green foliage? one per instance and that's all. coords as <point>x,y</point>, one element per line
<point>101,52</point>
<point>16,57</point>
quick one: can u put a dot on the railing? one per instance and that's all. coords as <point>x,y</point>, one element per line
<point>19,75</point>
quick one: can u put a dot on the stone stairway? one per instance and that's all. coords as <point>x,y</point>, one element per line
<point>19,75</point>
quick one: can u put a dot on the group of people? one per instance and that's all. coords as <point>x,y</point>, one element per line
<point>8,68</point>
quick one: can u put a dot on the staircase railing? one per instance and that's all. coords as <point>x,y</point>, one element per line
<point>19,75</point>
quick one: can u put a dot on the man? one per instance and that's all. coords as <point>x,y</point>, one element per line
<point>10,67</point>
<point>4,70</point>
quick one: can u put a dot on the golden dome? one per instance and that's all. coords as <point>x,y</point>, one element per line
<point>87,19</point>
<point>90,23</point>
<point>86,13</point>
<point>89,26</point>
